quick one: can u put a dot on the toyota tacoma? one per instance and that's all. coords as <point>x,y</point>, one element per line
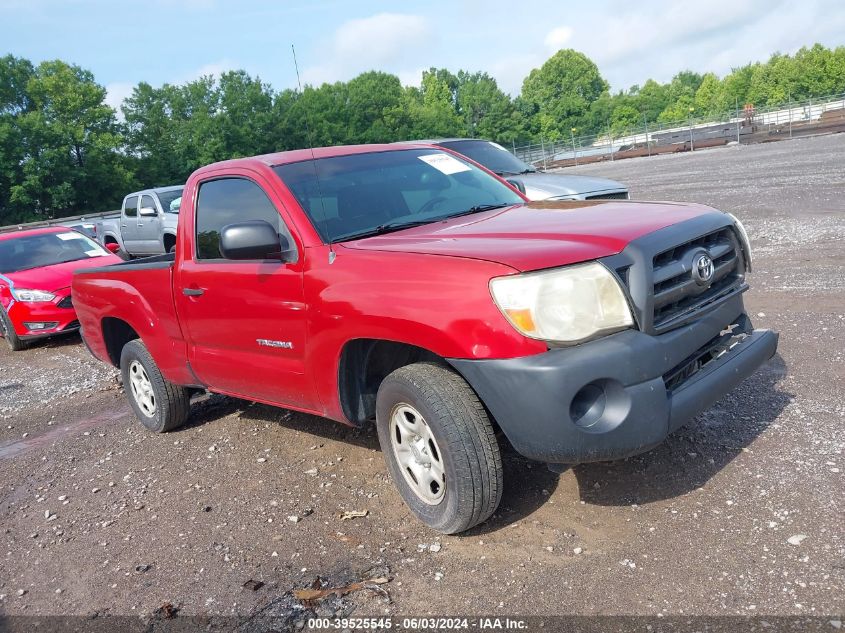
<point>408,286</point>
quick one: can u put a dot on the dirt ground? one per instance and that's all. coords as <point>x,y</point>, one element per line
<point>740,513</point>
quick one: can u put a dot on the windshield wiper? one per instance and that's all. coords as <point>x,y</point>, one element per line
<point>381,229</point>
<point>480,208</point>
<point>390,227</point>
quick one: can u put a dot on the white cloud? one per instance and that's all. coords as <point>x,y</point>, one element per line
<point>513,69</point>
<point>214,69</point>
<point>116,93</point>
<point>411,77</point>
<point>558,38</point>
<point>378,39</point>
<point>386,41</point>
<point>631,42</point>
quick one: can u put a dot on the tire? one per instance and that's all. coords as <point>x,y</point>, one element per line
<point>158,404</point>
<point>8,330</point>
<point>464,449</point>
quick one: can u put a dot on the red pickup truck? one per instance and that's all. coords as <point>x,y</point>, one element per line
<point>409,286</point>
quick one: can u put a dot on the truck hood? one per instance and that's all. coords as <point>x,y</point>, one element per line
<point>540,234</point>
<point>58,276</point>
<point>539,186</point>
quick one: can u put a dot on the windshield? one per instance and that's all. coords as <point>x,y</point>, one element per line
<point>492,155</point>
<point>363,194</point>
<point>170,200</point>
<point>46,249</point>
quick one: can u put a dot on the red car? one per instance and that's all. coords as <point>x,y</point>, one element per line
<point>36,268</point>
<point>407,286</point>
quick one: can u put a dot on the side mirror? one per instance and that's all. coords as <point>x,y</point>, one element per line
<point>113,247</point>
<point>253,240</point>
<point>517,183</point>
<point>147,212</point>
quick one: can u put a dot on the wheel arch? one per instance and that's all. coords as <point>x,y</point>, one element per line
<point>116,334</point>
<point>364,364</point>
<point>168,241</point>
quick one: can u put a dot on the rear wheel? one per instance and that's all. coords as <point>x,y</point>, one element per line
<point>439,446</point>
<point>8,331</point>
<point>160,405</point>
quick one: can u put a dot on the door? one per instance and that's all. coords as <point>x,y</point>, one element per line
<point>129,224</point>
<point>245,321</point>
<point>148,235</point>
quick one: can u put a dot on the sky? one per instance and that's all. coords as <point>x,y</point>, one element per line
<point>124,42</point>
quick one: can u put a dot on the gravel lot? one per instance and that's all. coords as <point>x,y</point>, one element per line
<point>740,513</point>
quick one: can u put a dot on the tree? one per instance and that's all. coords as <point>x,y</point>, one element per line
<point>245,115</point>
<point>735,87</point>
<point>652,99</point>
<point>428,111</point>
<point>679,111</point>
<point>561,91</point>
<point>70,143</point>
<point>624,119</point>
<point>486,111</point>
<point>709,96</point>
<point>370,96</point>
<point>15,74</point>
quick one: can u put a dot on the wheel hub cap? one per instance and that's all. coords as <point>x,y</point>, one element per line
<point>142,388</point>
<point>418,454</point>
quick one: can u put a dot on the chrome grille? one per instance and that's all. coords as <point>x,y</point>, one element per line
<point>675,291</point>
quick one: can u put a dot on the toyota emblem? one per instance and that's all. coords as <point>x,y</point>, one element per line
<point>702,269</point>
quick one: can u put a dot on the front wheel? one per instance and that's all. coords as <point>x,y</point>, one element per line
<point>439,446</point>
<point>8,331</point>
<point>160,405</point>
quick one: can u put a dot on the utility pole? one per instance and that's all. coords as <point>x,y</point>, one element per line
<point>691,141</point>
<point>736,100</point>
<point>647,142</point>
<point>789,101</point>
<point>574,151</point>
<point>543,148</point>
<point>610,142</point>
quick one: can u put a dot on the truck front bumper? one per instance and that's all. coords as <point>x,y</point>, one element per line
<point>622,394</point>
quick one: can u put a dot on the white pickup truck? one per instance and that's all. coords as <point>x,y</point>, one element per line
<point>146,225</point>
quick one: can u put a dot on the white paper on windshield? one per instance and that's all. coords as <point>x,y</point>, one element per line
<point>70,236</point>
<point>95,253</point>
<point>444,163</point>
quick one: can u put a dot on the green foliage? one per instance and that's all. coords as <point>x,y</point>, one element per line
<point>66,141</point>
<point>680,110</point>
<point>63,151</point>
<point>560,92</point>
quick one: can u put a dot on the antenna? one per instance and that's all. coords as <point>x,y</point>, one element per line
<point>332,253</point>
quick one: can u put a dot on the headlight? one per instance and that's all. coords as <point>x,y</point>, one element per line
<point>31,296</point>
<point>746,243</point>
<point>568,305</point>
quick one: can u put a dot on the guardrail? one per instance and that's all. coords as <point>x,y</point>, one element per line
<point>741,125</point>
<point>68,221</point>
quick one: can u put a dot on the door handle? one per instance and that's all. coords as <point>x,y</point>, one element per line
<point>193,292</point>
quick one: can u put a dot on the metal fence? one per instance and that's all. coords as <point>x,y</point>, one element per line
<point>743,124</point>
<point>88,218</point>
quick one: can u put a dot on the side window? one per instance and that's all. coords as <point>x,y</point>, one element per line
<point>226,201</point>
<point>130,207</point>
<point>147,201</point>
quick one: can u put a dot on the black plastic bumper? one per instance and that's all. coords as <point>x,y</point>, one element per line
<point>608,399</point>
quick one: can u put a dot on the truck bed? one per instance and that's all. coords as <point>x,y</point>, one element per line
<point>139,294</point>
